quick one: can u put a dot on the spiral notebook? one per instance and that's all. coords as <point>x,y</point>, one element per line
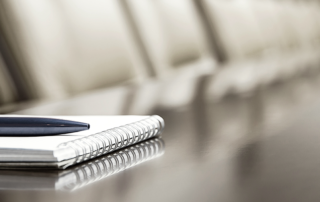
<point>84,174</point>
<point>106,134</point>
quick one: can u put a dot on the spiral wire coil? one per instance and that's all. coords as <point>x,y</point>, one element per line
<point>115,162</point>
<point>113,139</point>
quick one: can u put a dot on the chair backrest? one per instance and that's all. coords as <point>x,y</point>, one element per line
<point>290,17</point>
<point>288,24</point>
<point>69,47</point>
<point>236,27</point>
<point>302,16</point>
<point>267,14</point>
<point>172,34</point>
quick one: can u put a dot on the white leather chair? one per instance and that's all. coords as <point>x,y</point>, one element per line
<point>175,42</point>
<point>236,26</point>
<point>264,40</point>
<point>171,32</point>
<point>73,46</point>
<point>237,30</point>
<point>300,28</point>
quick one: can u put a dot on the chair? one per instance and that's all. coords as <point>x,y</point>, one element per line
<point>261,40</point>
<point>70,47</point>
<point>300,28</point>
<point>236,27</point>
<point>173,36</point>
<point>241,41</point>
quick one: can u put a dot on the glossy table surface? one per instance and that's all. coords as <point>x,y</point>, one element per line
<point>261,146</point>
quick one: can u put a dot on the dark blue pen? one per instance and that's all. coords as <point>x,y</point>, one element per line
<point>19,126</point>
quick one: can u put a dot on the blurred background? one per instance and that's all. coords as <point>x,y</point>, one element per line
<point>141,55</point>
<point>223,74</point>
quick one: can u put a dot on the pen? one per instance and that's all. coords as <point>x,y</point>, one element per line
<point>19,126</point>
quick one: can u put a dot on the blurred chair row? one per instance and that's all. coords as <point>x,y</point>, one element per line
<point>278,38</point>
<point>54,49</point>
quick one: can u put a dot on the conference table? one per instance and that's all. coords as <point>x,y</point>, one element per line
<point>263,145</point>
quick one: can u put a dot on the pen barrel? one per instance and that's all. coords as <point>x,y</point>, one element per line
<point>19,126</point>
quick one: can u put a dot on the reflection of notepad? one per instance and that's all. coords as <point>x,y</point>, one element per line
<point>86,173</point>
<point>106,134</point>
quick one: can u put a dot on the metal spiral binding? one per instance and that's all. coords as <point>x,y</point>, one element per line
<point>113,139</point>
<point>116,162</point>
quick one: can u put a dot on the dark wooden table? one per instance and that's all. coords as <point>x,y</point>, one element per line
<point>262,146</point>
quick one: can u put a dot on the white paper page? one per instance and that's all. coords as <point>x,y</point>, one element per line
<point>49,143</point>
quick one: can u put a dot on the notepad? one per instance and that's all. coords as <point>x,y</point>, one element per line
<point>106,134</point>
<point>84,174</point>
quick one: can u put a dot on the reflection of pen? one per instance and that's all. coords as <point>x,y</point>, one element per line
<point>19,126</point>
